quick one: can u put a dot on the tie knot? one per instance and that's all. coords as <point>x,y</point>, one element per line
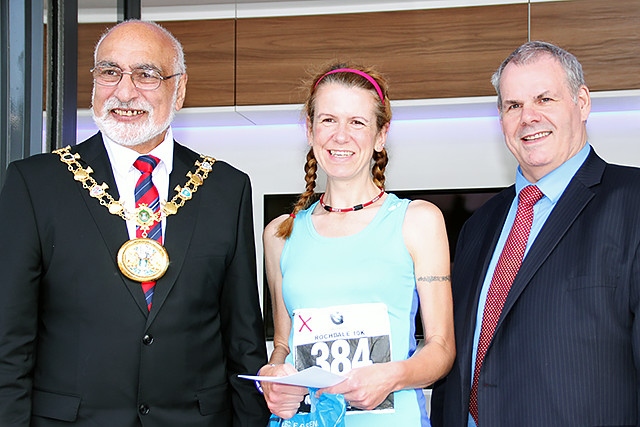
<point>529,195</point>
<point>146,163</point>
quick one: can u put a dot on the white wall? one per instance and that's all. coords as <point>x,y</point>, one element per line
<point>432,144</point>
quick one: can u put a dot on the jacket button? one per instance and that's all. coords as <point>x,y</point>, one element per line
<point>147,339</point>
<point>143,409</point>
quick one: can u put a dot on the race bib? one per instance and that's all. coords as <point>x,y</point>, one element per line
<point>341,338</point>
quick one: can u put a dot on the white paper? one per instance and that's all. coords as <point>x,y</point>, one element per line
<point>314,376</point>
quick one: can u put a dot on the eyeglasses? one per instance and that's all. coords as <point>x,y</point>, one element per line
<point>144,79</point>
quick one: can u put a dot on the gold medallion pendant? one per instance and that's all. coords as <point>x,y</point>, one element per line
<point>143,260</point>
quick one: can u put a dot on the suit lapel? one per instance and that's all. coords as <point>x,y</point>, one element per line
<point>574,199</point>
<point>112,228</point>
<point>180,227</point>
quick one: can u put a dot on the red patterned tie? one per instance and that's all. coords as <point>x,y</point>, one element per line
<point>147,194</point>
<point>506,270</point>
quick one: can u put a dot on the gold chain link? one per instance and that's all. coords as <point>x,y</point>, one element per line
<point>116,207</point>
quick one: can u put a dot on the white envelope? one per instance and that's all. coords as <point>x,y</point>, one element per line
<point>314,377</point>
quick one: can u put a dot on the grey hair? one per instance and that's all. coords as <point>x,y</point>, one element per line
<point>531,52</point>
<point>180,65</point>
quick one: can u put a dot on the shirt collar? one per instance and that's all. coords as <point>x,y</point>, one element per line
<point>122,157</point>
<point>555,182</point>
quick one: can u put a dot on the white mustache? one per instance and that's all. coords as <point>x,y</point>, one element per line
<point>114,103</point>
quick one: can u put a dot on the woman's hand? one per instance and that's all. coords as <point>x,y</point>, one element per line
<point>365,387</point>
<point>283,400</point>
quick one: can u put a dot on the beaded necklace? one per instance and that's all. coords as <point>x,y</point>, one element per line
<point>351,209</point>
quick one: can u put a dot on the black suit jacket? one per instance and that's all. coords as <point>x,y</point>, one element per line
<point>566,350</point>
<point>77,343</point>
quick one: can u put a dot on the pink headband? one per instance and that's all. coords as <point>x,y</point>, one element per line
<point>358,72</point>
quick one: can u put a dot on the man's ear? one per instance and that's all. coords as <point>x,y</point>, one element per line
<point>182,91</point>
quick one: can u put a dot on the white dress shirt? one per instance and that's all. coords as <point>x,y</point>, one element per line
<point>126,175</point>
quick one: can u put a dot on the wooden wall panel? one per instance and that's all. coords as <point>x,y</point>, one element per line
<point>431,53</point>
<point>209,53</point>
<point>603,34</point>
<point>209,48</point>
<point>88,36</point>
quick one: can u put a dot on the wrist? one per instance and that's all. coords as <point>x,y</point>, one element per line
<point>258,385</point>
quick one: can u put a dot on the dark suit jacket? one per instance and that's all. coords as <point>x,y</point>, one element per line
<point>566,350</point>
<point>77,343</point>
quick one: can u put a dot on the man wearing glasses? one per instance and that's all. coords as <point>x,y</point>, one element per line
<point>128,291</point>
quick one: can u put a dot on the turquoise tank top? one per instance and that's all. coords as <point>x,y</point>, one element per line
<point>372,266</point>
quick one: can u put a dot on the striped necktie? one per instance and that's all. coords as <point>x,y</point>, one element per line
<point>146,194</point>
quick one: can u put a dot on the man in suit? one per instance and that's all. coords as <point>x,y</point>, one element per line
<point>566,347</point>
<point>80,342</point>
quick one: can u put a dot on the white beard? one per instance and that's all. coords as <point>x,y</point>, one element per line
<point>131,134</point>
